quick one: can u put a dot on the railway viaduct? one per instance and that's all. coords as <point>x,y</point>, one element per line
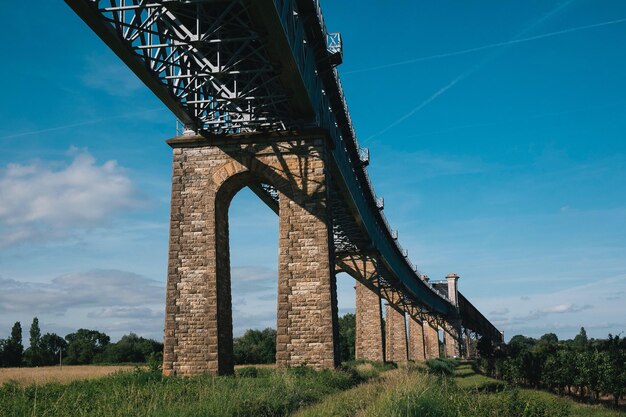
<point>256,86</point>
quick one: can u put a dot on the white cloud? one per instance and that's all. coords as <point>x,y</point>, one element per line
<point>111,290</point>
<point>42,201</point>
<point>118,302</point>
<point>500,312</point>
<point>115,302</point>
<point>254,292</point>
<point>593,305</point>
<point>126,312</point>
<point>565,308</point>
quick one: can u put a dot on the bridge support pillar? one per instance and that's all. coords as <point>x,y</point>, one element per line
<point>396,340</point>
<point>451,336</point>
<point>431,338</point>
<point>416,340</point>
<point>369,325</point>
<point>207,173</point>
<point>469,348</point>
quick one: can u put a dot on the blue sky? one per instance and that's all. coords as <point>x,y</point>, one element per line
<point>497,138</point>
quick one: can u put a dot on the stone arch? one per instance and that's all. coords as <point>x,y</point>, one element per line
<point>207,174</point>
<point>226,191</point>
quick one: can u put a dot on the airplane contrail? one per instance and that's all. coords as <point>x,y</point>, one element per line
<point>470,71</point>
<point>79,124</point>
<point>422,104</point>
<point>485,47</point>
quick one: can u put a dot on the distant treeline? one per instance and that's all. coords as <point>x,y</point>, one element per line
<point>80,348</point>
<point>259,346</point>
<point>583,367</point>
<point>93,347</point>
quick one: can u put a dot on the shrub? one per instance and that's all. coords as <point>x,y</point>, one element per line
<point>444,367</point>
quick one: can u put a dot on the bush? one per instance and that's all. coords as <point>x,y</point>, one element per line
<point>443,367</point>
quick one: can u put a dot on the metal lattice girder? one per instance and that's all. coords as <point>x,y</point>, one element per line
<point>206,60</point>
<point>474,320</point>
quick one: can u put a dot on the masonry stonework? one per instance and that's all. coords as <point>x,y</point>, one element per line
<point>431,339</point>
<point>451,343</point>
<point>416,340</point>
<point>369,325</point>
<point>452,335</point>
<point>207,173</point>
<point>395,335</point>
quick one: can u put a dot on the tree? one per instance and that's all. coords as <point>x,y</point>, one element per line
<point>50,346</point>
<point>567,360</point>
<point>581,342</point>
<point>33,353</point>
<point>519,343</point>
<point>255,347</point>
<point>130,348</point>
<point>13,351</point>
<point>3,343</point>
<point>84,345</point>
<point>589,367</point>
<point>347,330</point>
<point>613,379</point>
<point>552,373</point>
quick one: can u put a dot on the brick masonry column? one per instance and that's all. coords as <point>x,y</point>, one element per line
<point>416,340</point>
<point>198,322</point>
<point>396,341</point>
<point>307,304</point>
<point>369,325</point>
<point>469,349</point>
<point>451,343</point>
<point>431,338</point>
<point>207,173</point>
<point>452,335</point>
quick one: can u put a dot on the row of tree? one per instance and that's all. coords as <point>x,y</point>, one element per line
<point>583,367</point>
<point>259,346</point>
<point>91,346</point>
<point>80,348</point>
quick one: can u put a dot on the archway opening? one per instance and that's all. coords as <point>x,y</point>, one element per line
<point>253,240</point>
<point>346,309</point>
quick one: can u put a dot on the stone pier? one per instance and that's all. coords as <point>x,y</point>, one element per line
<point>452,334</point>
<point>416,340</point>
<point>369,325</point>
<point>207,173</point>
<point>395,337</point>
<point>431,339</point>
<point>451,343</point>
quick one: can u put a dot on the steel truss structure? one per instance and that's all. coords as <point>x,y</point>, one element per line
<point>240,66</point>
<point>209,60</point>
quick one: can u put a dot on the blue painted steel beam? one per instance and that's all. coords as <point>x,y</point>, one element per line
<point>347,163</point>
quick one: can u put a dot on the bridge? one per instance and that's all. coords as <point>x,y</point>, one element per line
<point>256,86</point>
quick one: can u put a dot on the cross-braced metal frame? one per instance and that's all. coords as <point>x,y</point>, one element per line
<point>210,59</point>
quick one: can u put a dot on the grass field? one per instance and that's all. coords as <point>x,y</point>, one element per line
<point>360,389</point>
<point>252,392</point>
<point>63,375</point>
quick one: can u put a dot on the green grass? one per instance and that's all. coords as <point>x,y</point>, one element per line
<point>256,392</point>
<point>577,409</point>
<point>466,378</point>
<point>427,395</point>
<point>358,389</point>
